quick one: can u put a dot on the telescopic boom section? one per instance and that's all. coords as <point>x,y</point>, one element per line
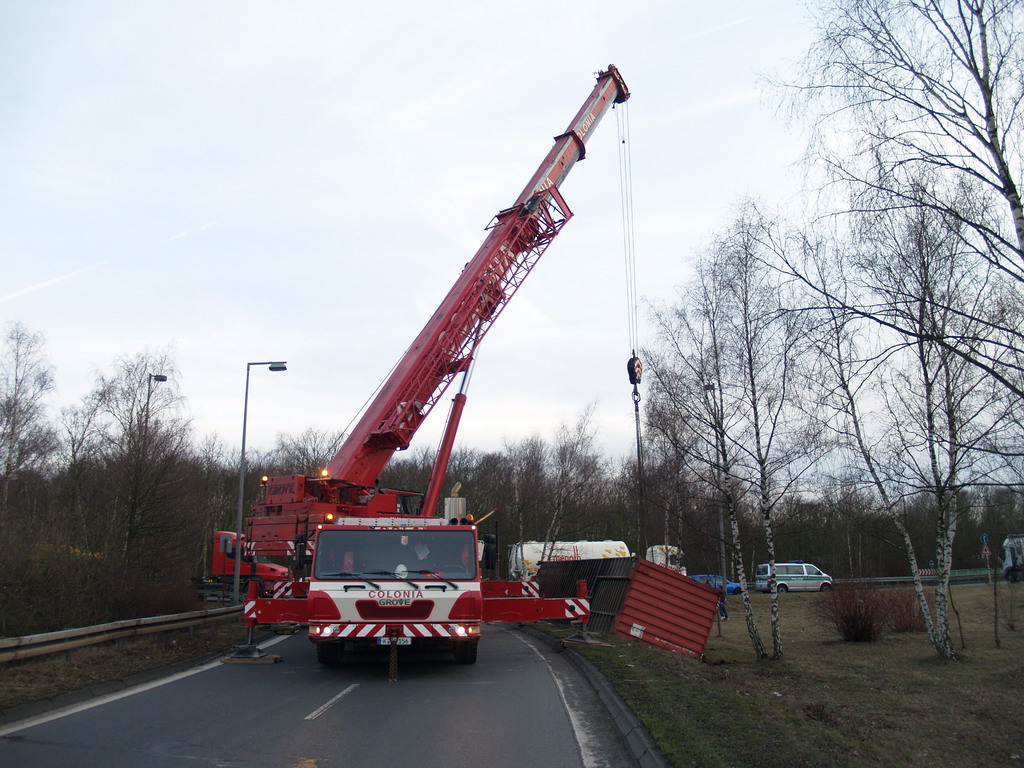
<point>518,237</point>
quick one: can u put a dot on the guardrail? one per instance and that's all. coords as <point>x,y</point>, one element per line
<point>928,578</point>
<point>966,576</point>
<point>29,646</point>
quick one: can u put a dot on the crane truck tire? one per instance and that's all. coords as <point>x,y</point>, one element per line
<point>330,654</point>
<point>465,651</point>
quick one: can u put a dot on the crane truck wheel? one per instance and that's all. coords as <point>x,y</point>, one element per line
<point>465,651</point>
<point>330,654</point>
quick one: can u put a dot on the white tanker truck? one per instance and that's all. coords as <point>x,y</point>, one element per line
<point>525,557</point>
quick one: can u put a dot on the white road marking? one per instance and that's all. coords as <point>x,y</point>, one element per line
<point>583,740</point>
<point>64,712</point>
<point>324,707</point>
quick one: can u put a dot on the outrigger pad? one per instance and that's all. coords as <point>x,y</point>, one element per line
<point>250,654</point>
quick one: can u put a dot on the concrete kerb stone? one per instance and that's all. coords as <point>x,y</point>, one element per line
<point>639,741</point>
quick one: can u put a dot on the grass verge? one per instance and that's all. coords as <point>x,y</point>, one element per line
<point>828,702</point>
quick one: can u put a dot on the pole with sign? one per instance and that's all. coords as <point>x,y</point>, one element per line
<point>987,554</point>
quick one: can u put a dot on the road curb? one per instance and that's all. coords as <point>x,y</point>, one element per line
<point>639,741</point>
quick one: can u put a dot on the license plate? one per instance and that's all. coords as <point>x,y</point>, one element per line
<point>394,641</point>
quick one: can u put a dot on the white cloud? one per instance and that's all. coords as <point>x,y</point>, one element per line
<point>48,283</point>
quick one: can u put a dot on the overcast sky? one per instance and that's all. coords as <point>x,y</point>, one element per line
<point>303,181</point>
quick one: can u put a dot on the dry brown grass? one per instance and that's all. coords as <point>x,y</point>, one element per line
<point>833,703</point>
<point>94,668</point>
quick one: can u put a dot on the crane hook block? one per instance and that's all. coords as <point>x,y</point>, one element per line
<point>635,369</point>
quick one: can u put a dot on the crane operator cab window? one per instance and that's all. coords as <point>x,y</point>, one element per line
<point>400,555</point>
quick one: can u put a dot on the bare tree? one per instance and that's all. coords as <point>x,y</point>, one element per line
<point>130,477</point>
<point>933,412</point>
<point>79,485</point>
<point>731,373</point>
<point>688,410</point>
<point>528,461</point>
<point>917,104</point>
<point>689,508</point>
<point>308,452</point>
<point>575,472</point>
<point>26,437</point>
<point>411,471</point>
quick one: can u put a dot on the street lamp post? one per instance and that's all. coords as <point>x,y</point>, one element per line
<point>720,460</point>
<point>158,377</point>
<point>274,366</point>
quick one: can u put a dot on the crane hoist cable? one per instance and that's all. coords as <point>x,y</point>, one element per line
<point>628,230</point>
<point>634,367</point>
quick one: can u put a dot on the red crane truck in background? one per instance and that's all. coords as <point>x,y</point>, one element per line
<point>386,570</point>
<point>217,585</point>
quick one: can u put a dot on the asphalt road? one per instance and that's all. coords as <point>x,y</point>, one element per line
<point>520,705</point>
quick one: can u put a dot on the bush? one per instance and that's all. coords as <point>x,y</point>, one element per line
<point>858,613</point>
<point>905,611</point>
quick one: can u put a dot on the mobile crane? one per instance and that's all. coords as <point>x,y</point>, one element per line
<point>386,569</point>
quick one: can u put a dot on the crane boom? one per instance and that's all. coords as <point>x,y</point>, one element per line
<point>285,520</point>
<point>517,237</point>
<point>383,570</point>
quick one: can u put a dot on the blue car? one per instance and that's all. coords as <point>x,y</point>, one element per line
<point>714,580</point>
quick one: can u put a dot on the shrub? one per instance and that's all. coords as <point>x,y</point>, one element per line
<point>858,613</point>
<point>905,611</point>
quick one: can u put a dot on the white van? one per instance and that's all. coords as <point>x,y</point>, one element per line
<point>794,576</point>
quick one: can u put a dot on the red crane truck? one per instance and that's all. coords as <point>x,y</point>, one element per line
<point>217,584</point>
<point>385,569</point>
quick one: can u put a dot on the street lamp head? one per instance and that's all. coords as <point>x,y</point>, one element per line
<point>278,367</point>
<point>158,377</point>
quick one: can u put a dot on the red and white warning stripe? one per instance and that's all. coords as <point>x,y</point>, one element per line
<point>381,630</point>
<point>290,546</point>
<point>282,589</point>
<point>576,608</point>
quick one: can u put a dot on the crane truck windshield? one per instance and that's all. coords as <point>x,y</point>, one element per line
<point>386,555</point>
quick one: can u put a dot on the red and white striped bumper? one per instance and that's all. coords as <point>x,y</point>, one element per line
<point>357,631</point>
